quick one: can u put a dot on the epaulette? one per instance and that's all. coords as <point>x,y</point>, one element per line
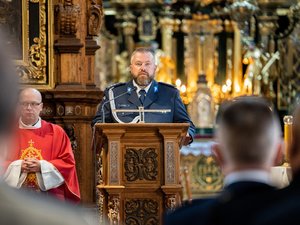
<point>166,84</point>
<point>115,85</point>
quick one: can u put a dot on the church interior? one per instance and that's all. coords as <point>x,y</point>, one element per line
<point>211,50</point>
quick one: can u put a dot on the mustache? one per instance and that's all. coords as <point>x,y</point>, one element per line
<point>143,73</point>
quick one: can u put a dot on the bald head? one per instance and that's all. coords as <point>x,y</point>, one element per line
<point>34,93</point>
<point>249,132</point>
<point>30,102</point>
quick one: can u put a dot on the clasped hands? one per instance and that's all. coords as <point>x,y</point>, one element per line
<point>30,165</point>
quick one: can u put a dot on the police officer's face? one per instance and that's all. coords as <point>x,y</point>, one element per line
<point>142,68</point>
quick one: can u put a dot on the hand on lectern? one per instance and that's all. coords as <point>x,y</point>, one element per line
<point>187,139</point>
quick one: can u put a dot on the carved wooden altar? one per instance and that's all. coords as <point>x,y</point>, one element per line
<point>138,173</point>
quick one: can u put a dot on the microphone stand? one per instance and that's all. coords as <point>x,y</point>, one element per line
<point>129,90</point>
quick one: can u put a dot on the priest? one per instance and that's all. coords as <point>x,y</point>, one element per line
<point>41,157</point>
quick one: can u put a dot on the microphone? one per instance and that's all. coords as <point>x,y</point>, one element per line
<point>129,90</point>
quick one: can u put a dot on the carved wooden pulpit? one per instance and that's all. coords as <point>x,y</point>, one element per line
<point>138,171</point>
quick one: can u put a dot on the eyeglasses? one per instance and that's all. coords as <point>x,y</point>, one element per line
<point>31,104</point>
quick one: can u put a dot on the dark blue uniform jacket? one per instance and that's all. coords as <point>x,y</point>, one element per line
<point>159,96</point>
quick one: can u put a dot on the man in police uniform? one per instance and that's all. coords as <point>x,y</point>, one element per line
<point>144,91</point>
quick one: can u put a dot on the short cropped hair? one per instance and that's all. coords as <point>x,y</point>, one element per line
<point>249,129</point>
<point>143,50</point>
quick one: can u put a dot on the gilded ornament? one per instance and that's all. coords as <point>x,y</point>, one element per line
<point>35,71</point>
<point>113,209</point>
<point>170,202</point>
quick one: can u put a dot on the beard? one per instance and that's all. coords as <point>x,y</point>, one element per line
<point>143,79</point>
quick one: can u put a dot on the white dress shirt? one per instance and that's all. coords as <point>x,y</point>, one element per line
<point>260,176</point>
<point>138,88</point>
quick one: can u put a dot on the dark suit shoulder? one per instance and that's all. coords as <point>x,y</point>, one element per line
<point>167,85</point>
<point>194,204</point>
<point>190,213</point>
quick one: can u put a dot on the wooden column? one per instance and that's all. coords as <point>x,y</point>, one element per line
<point>73,101</point>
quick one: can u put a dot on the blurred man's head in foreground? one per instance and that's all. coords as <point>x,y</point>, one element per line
<point>8,94</point>
<point>248,135</point>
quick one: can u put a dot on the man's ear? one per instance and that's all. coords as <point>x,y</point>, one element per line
<point>294,158</point>
<point>217,153</point>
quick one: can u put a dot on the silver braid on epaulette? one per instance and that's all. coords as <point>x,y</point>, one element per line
<point>113,107</point>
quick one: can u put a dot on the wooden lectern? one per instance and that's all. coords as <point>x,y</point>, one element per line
<point>138,171</point>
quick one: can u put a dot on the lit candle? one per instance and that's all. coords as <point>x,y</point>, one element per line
<point>288,122</point>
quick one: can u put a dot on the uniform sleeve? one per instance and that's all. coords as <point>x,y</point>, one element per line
<point>181,115</point>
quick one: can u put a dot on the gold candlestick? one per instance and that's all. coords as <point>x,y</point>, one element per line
<point>288,123</point>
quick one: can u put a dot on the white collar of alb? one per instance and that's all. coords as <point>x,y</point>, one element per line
<point>37,125</point>
<point>261,176</point>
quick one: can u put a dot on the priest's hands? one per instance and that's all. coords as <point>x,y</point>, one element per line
<point>30,165</point>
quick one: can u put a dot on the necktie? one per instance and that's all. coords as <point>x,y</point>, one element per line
<point>142,95</point>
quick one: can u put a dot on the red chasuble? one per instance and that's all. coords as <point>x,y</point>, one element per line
<point>52,144</point>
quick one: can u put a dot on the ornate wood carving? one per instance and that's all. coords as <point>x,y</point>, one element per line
<point>95,18</point>
<point>70,130</point>
<point>170,163</point>
<point>114,209</point>
<point>170,203</point>
<point>141,211</point>
<point>141,164</point>
<point>100,205</point>
<point>94,23</point>
<point>140,150</point>
<point>66,17</point>
<point>114,162</point>
<point>99,168</point>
